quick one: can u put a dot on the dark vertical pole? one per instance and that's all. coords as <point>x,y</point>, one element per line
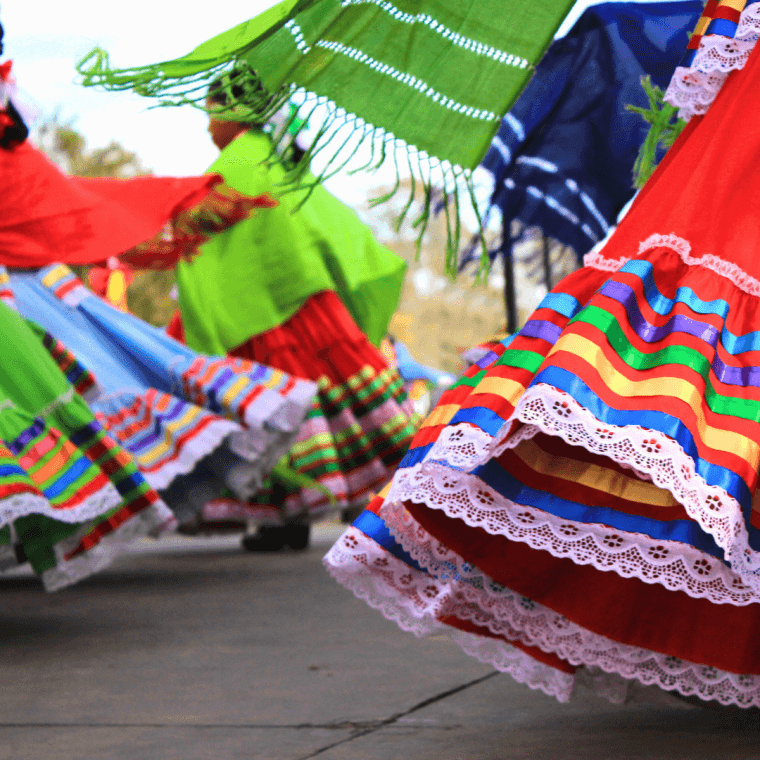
<point>547,262</point>
<point>510,296</point>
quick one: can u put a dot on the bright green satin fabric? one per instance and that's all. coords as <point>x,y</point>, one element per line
<point>256,275</point>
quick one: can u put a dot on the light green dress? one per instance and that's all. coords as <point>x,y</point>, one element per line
<point>257,274</point>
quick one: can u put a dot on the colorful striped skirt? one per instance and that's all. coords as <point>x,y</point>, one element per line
<point>70,497</point>
<point>359,426</point>
<point>199,427</point>
<point>584,503</point>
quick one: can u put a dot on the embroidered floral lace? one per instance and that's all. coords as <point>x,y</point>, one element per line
<point>694,89</point>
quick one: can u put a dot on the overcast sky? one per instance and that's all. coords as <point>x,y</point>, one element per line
<point>46,38</point>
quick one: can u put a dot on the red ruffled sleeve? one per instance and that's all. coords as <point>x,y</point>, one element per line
<point>220,209</point>
<point>47,216</point>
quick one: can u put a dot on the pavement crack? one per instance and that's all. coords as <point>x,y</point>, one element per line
<point>342,726</point>
<point>357,729</point>
<point>443,695</point>
<point>377,725</point>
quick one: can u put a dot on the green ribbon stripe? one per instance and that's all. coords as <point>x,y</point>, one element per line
<point>674,355</point>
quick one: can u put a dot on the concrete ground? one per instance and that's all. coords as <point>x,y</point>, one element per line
<point>190,649</point>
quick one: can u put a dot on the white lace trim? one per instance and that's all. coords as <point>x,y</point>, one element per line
<point>692,90</point>
<point>19,505</point>
<point>654,453</point>
<point>727,269</point>
<point>463,446</point>
<point>151,521</point>
<point>188,456</point>
<point>469,594</point>
<point>286,414</point>
<point>521,666</point>
<point>259,448</point>
<point>400,594</point>
<point>679,245</point>
<point>677,566</point>
<point>651,456</point>
<point>260,451</point>
<point>415,601</point>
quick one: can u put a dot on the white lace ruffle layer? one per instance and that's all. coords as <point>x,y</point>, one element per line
<point>187,454</point>
<point>407,597</point>
<point>674,565</point>
<point>415,601</point>
<point>692,90</point>
<point>457,588</point>
<point>668,465</point>
<point>259,450</point>
<point>443,481</point>
<point>737,276</point>
<point>20,505</point>
<point>150,521</point>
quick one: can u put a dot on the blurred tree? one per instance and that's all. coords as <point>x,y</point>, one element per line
<point>67,147</point>
<point>437,317</point>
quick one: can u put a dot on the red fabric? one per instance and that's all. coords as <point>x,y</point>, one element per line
<point>552,660</point>
<point>175,329</point>
<point>46,216</point>
<point>320,339</point>
<point>714,159</point>
<point>222,208</point>
<point>623,609</point>
<point>375,505</point>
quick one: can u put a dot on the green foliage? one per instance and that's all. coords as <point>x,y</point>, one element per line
<point>665,126</point>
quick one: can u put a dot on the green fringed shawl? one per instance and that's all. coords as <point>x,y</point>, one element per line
<point>256,275</point>
<point>424,82</point>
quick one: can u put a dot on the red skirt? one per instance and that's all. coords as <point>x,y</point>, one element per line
<point>589,492</point>
<point>360,425</point>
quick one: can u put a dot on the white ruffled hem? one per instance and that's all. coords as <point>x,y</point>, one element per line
<point>190,454</point>
<point>416,601</point>
<point>738,277</point>
<point>151,521</point>
<point>259,449</point>
<point>356,569</point>
<point>674,565</point>
<point>444,481</point>
<point>20,505</point>
<point>661,458</point>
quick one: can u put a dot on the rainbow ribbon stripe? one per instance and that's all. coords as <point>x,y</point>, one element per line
<point>156,427</point>
<point>682,364</point>
<point>353,437</point>
<point>81,378</point>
